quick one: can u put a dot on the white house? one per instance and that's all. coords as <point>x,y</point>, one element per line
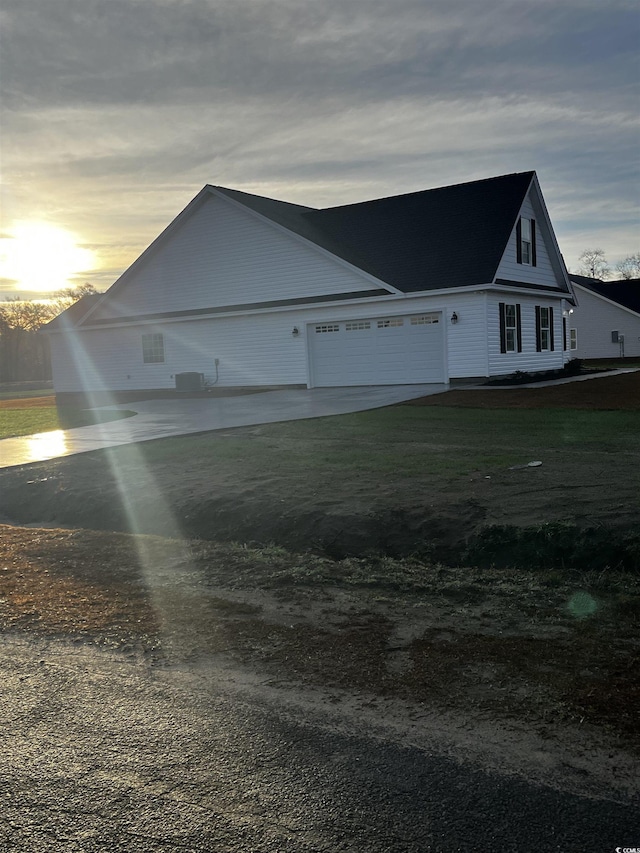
<point>240,291</point>
<point>605,323</point>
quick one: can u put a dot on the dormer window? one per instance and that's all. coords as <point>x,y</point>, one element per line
<point>526,241</point>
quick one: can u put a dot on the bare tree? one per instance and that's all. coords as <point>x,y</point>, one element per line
<point>593,263</point>
<point>630,267</point>
<point>24,353</point>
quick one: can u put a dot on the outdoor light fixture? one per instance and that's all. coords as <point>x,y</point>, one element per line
<point>296,332</point>
<point>454,318</point>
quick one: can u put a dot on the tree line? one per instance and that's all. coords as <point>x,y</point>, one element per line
<point>24,349</point>
<point>594,264</point>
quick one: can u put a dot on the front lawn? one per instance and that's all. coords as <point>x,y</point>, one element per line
<point>35,415</point>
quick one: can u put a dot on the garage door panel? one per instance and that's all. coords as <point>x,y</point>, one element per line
<point>378,351</point>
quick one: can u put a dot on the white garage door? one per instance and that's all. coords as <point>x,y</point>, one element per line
<point>381,351</point>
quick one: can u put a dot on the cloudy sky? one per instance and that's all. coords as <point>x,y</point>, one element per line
<point>116,112</point>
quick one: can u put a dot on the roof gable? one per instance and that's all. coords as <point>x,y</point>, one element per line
<point>447,237</point>
<point>624,292</point>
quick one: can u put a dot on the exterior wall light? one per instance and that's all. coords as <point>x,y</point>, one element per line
<point>454,318</point>
<point>296,332</point>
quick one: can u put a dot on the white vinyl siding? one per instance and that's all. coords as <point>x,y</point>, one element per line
<point>594,319</point>
<point>261,348</point>
<point>224,255</point>
<point>529,359</point>
<point>543,272</point>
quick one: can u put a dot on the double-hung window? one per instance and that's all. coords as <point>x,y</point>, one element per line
<point>544,329</point>
<point>526,241</point>
<point>153,349</point>
<point>510,327</point>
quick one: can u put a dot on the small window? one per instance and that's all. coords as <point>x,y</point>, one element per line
<point>391,323</point>
<point>573,339</point>
<point>358,326</point>
<point>510,328</point>
<point>544,329</point>
<point>526,241</point>
<point>425,320</point>
<point>153,349</point>
<point>327,327</point>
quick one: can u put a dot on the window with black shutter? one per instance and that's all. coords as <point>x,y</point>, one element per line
<point>510,327</point>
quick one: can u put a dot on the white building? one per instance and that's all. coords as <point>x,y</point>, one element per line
<point>605,323</point>
<point>240,291</point>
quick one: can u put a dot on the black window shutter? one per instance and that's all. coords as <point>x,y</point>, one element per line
<point>519,241</point>
<point>551,347</point>
<point>533,243</point>
<point>564,333</point>
<point>538,336</point>
<point>503,328</point>
<point>519,327</point>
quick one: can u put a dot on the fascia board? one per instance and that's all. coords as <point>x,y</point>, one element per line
<point>527,291</point>
<point>319,249</point>
<point>370,301</point>
<point>558,257</point>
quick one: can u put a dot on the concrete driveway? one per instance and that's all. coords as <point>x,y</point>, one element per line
<point>171,417</point>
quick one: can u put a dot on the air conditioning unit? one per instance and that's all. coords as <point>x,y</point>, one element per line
<point>189,381</point>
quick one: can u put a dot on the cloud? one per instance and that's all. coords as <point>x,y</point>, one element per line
<point>116,113</point>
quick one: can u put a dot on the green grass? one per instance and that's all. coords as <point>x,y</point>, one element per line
<point>17,422</point>
<point>406,441</point>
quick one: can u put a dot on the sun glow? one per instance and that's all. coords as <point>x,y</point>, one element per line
<point>42,257</point>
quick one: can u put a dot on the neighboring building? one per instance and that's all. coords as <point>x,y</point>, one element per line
<point>605,323</point>
<point>450,283</point>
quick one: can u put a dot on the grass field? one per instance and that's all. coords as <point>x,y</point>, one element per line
<point>24,414</point>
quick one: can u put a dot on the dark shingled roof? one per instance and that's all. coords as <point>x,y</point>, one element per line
<point>446,237</point>
<point>625,291</point>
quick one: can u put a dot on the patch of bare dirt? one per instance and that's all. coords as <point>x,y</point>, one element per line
<point>547,665</point>
<point>28,403</point>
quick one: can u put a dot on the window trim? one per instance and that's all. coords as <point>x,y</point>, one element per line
<point>153,348</point>
<point>502,308</point>
<point>520,242</point>
<point>573,340</point>
<point>546,328</point>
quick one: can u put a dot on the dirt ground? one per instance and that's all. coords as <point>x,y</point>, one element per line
<point>544,667</point>
<point>538,671</point>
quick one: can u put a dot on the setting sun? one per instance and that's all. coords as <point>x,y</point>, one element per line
<point>43,257</point>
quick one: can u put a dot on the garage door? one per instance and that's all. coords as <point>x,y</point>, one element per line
<point>379,351</point>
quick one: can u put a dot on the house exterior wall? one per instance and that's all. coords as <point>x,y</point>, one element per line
<point>260,349</point>
<point>529,359</point>
<point>594,319</point>
<point>543,273</point>
<point>223,255</point>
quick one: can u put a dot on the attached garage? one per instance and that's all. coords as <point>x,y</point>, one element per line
<point>243,291</point>
<point>377,351</point>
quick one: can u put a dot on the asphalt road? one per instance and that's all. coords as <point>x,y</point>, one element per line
<point>102,752</point>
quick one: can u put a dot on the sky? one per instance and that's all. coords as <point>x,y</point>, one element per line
<point>115,113</point>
